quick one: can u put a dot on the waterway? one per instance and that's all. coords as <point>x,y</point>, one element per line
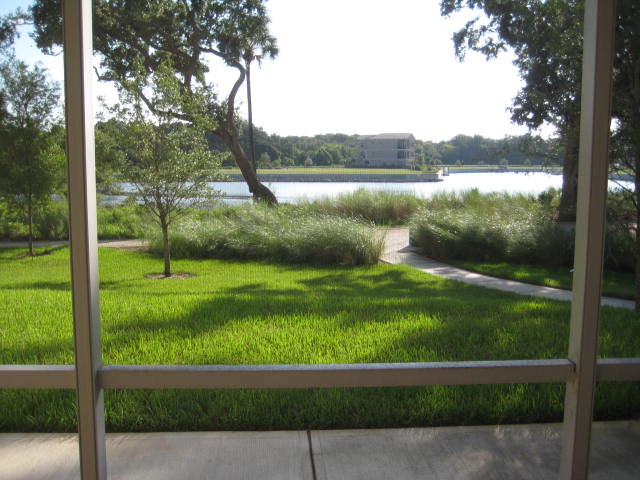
<point>512,182</point>
<point>292,192</point>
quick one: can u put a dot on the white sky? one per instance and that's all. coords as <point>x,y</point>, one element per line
<point>365,67</point>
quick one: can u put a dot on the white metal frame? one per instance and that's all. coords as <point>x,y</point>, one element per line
<point>580,371</point>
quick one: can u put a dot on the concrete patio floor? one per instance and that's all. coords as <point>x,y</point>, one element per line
<point>461,453</point>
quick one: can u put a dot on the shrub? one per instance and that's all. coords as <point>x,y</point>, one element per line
<point>52,222</point>
<point>278,233</point>
<point>121,221</point>
<point>507,228</point>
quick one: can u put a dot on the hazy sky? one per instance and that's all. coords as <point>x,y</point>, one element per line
<point>362,66</point>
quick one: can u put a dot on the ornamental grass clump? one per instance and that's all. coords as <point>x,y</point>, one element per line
<point>491,227</point>
<point>378,207</point>
<point>278,233</point>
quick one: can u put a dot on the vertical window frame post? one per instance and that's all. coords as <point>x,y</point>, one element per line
<point>83,239</point>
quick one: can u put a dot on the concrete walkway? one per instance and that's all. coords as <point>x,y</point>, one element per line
<point>511,452</point>
<point>398,251</point>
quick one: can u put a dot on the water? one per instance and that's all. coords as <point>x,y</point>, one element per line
<point>512,182</point>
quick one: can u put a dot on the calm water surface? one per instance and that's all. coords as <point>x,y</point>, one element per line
<point>512,182</point>
<point>535,182</point>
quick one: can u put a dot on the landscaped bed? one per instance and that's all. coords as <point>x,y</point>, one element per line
<point>241,312</point>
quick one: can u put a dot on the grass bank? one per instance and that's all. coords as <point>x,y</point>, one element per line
<point>251,312</point>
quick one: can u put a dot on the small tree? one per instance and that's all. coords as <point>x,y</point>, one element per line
<point>264,161</point>
<point>169,165</point>
<point>31,157</point>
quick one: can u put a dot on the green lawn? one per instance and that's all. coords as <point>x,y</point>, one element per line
<point>620,285</point>
<point>238,312</point>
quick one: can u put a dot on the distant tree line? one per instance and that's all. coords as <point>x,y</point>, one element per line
<point>275,151</point>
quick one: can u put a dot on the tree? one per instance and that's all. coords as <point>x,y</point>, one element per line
<point>264,161</point>
<point>108,151</point>
<point>168,162</point>
<point>32,160</point>
<point>322,157</point>
<point>258,45</point>
<point>626,110</point>
<point>135,38</point>
<point>546,36</point>
<point>169,165</point>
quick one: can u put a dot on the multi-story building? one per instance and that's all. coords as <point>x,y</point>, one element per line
<point>390,150</point>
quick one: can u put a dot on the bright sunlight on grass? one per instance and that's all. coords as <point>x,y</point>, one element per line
<point>614,284</point>
<point>241,312</point>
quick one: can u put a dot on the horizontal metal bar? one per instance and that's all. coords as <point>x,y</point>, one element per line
<point>37,376</point>
<point>307,376</point>
<point>322,376</point>
<point>618,370</point>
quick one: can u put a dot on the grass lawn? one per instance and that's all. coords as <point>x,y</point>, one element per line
<point>620,285</point>
<point>237,312</point>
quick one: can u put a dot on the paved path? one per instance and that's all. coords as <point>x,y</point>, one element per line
<point>498,452</point>
<point>398,251</point>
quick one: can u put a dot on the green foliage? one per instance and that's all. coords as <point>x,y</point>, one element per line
<point>108,155</point>
<point>283,234</point>
<point>506,228</point>
<point>380,208</point>
<point>32,159</point>
<point>247,313</point>
<point>166,46</point>
<point>51,222</point>
<point>122,221</point>
<point>169,167</point>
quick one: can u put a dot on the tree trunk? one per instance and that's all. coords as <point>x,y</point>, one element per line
<point>259,191</point>
<point>30,220</point>
<point>250,112</point>
<point>569,196</point>
<point>166,250</point>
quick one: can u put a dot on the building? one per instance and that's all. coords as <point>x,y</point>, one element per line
<point>390,150</point>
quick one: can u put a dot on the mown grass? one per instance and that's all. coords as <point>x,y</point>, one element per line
<point>614,284</point>
<point>240,312</point>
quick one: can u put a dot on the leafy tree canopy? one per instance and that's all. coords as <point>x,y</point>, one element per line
<point>137,39</point>
<point>31,154</point>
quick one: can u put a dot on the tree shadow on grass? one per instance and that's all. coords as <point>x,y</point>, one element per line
<point>466,322</point>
